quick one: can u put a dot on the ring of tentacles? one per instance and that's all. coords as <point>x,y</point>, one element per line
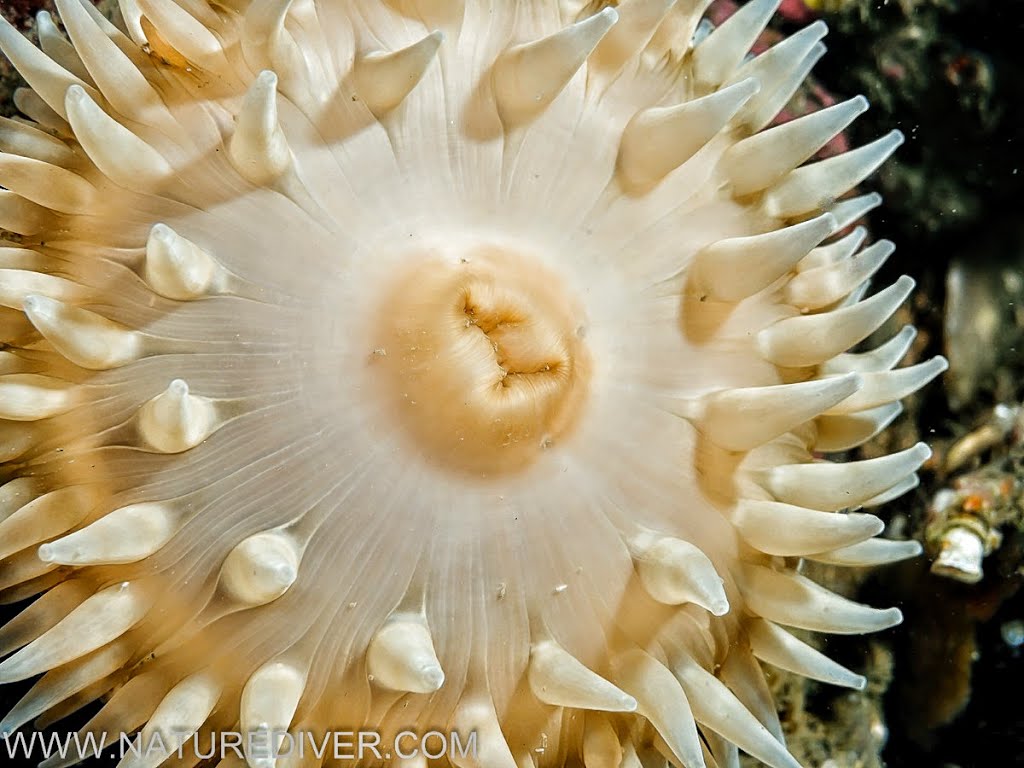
<point>464,364</point>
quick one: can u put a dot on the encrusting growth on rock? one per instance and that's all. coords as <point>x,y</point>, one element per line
<point>423,364</point>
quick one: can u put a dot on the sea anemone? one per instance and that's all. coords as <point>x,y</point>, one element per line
<point>453,364</point>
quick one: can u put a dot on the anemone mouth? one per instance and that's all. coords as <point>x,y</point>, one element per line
<point>429,363</point>
<point>482,355</point>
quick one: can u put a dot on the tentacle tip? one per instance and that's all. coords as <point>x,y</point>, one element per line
<point>432,676</point>
<point>267,78</point>
<point>718,607</point>
<point>628,703</point>
<point>160,231</point>
<point>906,283</point>
<point>75,94</point>
<point>33,303</point>
<point>914,549</point>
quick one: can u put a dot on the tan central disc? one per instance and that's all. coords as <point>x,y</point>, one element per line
<point>481,356</point>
